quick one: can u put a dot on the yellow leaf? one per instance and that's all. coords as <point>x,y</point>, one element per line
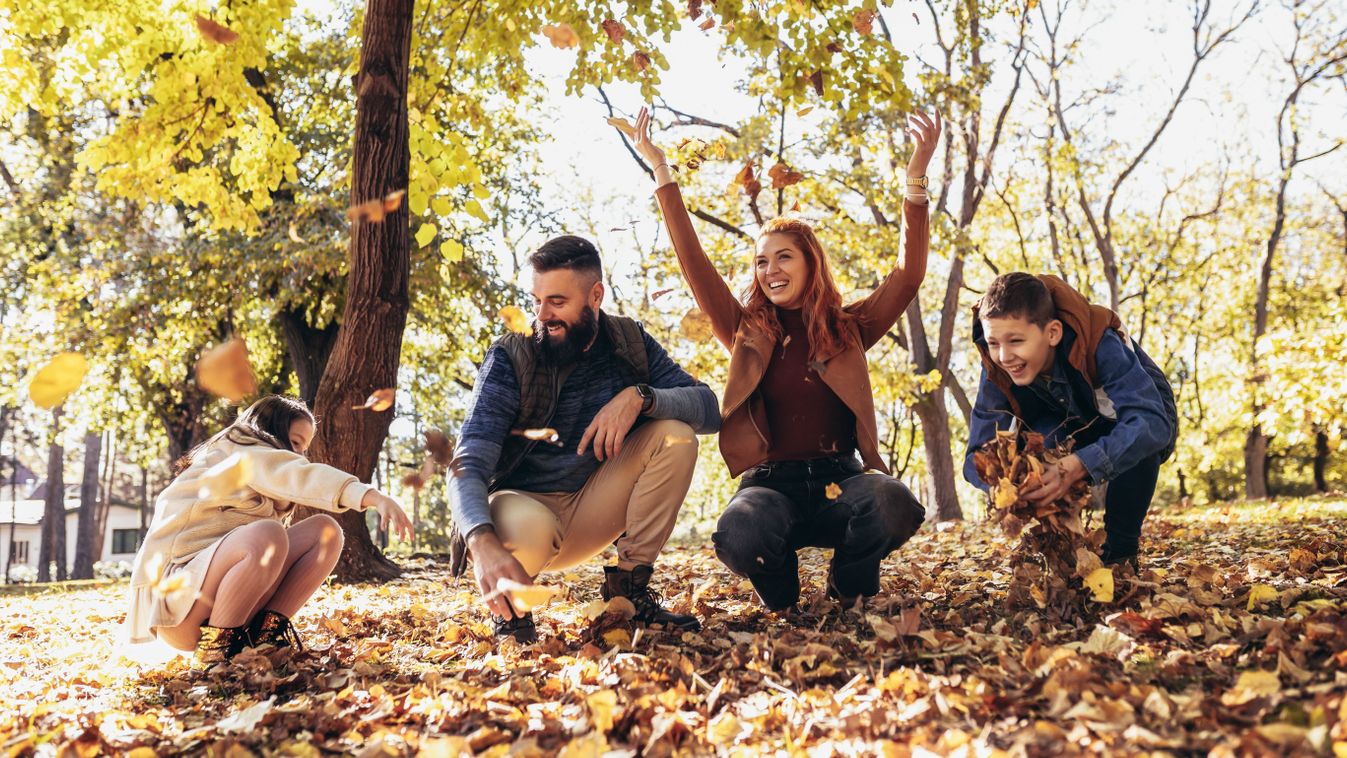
<point>425,234</point>
<point>515,320</point>
<point>696,326</point>
<point>1251,685</point>
<point>723,729</point>
<point>1259,594</point>
<point>452,250</point>
<point>1100,584</point>
<point>525,597</point>
<point>601,706</point>
<point>226,477</point>
<point>832,491</point>
<point>54,382</point>
<point>615,637</point>
<point>474,209</point>
<point>1005,494</point>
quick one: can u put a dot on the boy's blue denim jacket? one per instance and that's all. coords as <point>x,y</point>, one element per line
<point>1128,418</point>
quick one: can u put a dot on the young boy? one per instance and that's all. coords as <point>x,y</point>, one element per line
<point>1066,368</point>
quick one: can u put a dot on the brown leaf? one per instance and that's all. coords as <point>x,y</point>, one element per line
<point>440,447</point>
<point>661,293</point>
<point>225,371</point>
<point>694,9</point>
<point>696,326</point>
<point>707,25</point>
<point>379,401</point>
<point>816,79</point>
<point>374,211</point>
<point>215,32</point>
<point>783,176</point>
<point>640,61</point>
<point>614,29</point>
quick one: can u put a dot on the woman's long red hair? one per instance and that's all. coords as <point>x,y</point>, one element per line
<point>827,324</point>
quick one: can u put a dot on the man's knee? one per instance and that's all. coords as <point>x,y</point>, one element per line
<point>674,438</point>
<point>527,529</point>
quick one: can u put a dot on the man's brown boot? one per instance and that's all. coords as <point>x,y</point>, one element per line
<point>634,585</point>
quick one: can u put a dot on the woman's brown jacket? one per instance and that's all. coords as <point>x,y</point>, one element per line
<point>743,432</point>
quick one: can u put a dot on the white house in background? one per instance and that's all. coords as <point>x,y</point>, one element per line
<point>120,540</point>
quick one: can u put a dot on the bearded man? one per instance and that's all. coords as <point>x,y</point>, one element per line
<point>579,435</point>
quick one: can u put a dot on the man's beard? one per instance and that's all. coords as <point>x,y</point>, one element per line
<point>567,348</point>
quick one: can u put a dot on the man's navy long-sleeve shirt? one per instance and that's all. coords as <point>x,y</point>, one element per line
<point>599,375</point>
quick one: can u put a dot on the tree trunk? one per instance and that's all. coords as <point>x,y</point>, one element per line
<point>1255,464</point>
<point>366,353</point>
<point>87,531</point>
<point>183,423</point>
<point>309,349</point>
<point>1320,461</point>
<point>144,501</point>
<point>105,498</point>
<point>939,459</point>
<point>52,549</point>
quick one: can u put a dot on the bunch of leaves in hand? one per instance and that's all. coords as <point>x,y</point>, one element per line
<point>1054,545</point>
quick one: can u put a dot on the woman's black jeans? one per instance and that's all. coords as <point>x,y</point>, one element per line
<point>784,506</point>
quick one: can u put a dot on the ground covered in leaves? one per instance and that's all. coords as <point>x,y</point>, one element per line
<point>1231,641</point>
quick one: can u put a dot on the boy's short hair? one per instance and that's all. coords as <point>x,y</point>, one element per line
<point>1018,295</point>
<point>567,252</point>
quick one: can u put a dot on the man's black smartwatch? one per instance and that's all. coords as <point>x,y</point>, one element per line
<point>647,397</point>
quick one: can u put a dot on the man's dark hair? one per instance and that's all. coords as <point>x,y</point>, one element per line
<point>568,252</point>
<point>1018,295</point>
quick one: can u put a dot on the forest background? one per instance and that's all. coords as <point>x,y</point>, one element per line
<point>162,191</point>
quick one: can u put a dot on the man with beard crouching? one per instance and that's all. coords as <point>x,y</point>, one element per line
<point>626,419</point>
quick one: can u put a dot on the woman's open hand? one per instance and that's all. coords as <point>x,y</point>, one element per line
<point>647,149</point>
<point>925,133</point>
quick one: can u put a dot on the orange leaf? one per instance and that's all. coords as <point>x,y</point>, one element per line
<point>381,400</point>
<point>640,61</point>
<point>515,320</point>
<point>622,125</point>
<point>225,371</point>
<point>707,25</point>
<point>561,35</point>
<point>215,32</point>
<point>833,491</point>
<point>864,21</point>
<point>374,211</point>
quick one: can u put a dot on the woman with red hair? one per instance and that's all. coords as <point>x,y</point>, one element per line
<point>797,407</point>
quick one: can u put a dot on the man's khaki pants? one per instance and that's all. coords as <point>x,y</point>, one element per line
<point>633,498</point>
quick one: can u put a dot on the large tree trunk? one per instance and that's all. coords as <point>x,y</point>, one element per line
<point>309,348</point>
<point>87,532</point>
<point>52,548</point>
<point>367,350</point>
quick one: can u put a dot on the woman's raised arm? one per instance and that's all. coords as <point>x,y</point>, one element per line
<point>713,295</point>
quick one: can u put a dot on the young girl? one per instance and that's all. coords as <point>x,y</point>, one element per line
<point>222,572</point>
<point>797,405</point>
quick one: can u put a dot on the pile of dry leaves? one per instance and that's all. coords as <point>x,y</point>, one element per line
<point>1231,640</point>
<point>1056,549</point>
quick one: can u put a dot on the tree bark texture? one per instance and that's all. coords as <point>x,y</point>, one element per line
<point>366,353</point>
<point>52,549</point>
<point>86,533</point>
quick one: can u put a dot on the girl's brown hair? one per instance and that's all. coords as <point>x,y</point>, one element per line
<point>825,321</point>
<point>265,422</point>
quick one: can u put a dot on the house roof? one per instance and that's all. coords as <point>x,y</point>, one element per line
<point>30,512</point>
